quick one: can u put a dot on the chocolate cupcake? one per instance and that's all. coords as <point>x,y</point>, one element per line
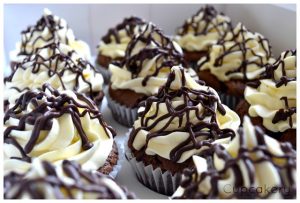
<point>183,119</point>
<point>148,61</point>
<point>200,31</point>
<point>271,100</point>
<point>113,45</point>
<point>66,181</point>
<point>48,29</point>
<point>61,67</point>
<point>252,166</point>
<point>236,59</point>
<point>55,125</point>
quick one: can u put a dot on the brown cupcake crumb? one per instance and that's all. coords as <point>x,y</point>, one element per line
<point>104,61</point>
<point>111,161</point>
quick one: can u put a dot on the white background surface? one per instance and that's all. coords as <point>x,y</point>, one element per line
<point>90,22</point>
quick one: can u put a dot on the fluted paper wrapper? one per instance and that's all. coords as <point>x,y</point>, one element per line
<point>121,157</point>
<point>122,114</point>
<point>155,179</point>
<point>104,72</point>
<point>229,100</point>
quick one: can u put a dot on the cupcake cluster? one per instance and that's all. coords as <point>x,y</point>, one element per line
<point>210,112</point>
<point>56,142</point>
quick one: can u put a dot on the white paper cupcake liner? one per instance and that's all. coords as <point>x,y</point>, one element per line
<point>122,114</point>
<point>229,100</point>
<point>104,72</point>
<point>154,179</point>
<point>121,157</point>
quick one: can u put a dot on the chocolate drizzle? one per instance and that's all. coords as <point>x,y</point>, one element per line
<point>129,25</point>
<point>58,63</point>
<point>16,185</point>
<point>281,114</point>
<point>46,108</point>
<point>287,189</point>
<point>241,45</point>
<point>209,130</point>
<point>164,52</point>
<point>49,22</point>
<point>284,114</point>
<point>206,23</point>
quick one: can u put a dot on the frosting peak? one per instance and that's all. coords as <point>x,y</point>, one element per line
<point>203,29</point>
<point>49,29</point>
<point>149,58</point>
<point>53,126</point>
<point>183,119</point>
<point>241,55</point>
<point>115,42</point>
<point>277,84</point>
<point>58,65</point>
<point>252,165</point>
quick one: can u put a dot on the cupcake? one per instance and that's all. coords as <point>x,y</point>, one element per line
<point>271,100</point>
<point>200,31</point>
<point>252,166</point>
<point>56,125</point>
<point>183,119</point>
<point>148,61</point>
<point>58,65</point>
<point>66,181</point>
<point>233,61</point>
<point>113,45</point>
<point>48,29</point>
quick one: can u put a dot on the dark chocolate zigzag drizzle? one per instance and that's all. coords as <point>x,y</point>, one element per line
<point>46,21</point>
<point>84,181</point>
<point>165,95</point>
<point>209,13</point>
<point>41,116</point>
<point>281,114</point>
<point>76,67</point>
<point>193,179</point>
<point>240,46</point>
<point>128,24</point>
<point>167,55</point>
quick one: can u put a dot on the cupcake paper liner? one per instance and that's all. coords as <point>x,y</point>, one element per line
<point>229,100</point>
<point>121,157</point>
<point>154,179</point>
<point>122,114</point>
<point>104,72</point>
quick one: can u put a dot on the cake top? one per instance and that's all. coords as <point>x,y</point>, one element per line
<point>277,84</point>
<point>48,29</point>
<point>148,60</point>
<point>184,115</point>
<point>53,125</point>
<point>206,20</point>
<point>70,181</point>
<point>151,44</point>
<point>59,65</point>
<point>252,165</point>
<point>129,25</point>
<point>241,54</point>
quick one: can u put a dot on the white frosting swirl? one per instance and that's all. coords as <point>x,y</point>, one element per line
<point>69,68</point>
<point>259,98</point>
<point>114,49</point>
<point>61,141</point>
<point>233,171</point>
<point>202,30</point>
<point>74,183</point>
<point>173,127</point>
<point>58,31</point>
<point>241,49</point>
<point>122,78</point>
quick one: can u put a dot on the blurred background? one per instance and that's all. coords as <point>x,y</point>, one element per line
<point>89,22</point>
